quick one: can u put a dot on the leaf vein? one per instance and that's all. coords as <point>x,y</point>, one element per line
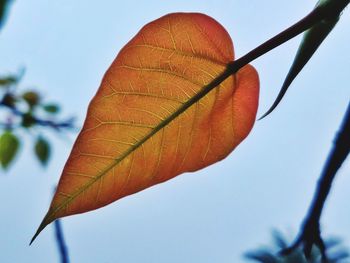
<point>182,53</point>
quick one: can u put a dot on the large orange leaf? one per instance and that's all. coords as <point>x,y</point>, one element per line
<point>146,124</point>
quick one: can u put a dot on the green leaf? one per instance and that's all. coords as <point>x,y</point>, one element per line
<point>28,120</point>
<point>311,41</point>
<point>42,150</point>
<point>3,10</point>
<point>31,97</point>
<point>8,100</point>
<point>8,80</point>
<point>51,108</point>
<point>9,145</point>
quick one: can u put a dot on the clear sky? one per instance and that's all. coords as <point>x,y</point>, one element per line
<point>213,215</point>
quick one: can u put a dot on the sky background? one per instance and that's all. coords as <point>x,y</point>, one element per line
<point>212,215</point>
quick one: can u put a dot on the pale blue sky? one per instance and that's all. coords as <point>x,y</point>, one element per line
<point>215,214</point>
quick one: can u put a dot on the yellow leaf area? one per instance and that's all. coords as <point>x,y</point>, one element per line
<point>140,129</point>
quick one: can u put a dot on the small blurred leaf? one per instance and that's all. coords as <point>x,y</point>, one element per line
<point>263,256</point>
<point>42,150</point>
<point>3,10</point>
<point>340,256</point>
<point>7,81</point>
<point>331,242</point>
<point>335,252</point>
<point>27,120</point>
<point>8,100</point>
<point>31,97</point>
<point>9,145</point>
<point>51,108</point>
<point>279,239</point>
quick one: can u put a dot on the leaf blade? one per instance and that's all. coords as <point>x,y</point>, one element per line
<point>161,125</point>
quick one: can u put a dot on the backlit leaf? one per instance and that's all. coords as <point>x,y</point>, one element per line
<point>144,125</point>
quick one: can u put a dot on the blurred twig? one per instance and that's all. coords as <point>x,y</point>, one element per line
<point>57,125</point>
<point>62,247</point>
<point>69,123</point>
<point>29,111</point>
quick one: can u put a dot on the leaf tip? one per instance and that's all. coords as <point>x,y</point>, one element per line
<point>41,227</point>
<point>279,98</point>
<point>264,115</point>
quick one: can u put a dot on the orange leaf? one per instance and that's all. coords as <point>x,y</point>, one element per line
<point>151,118</point>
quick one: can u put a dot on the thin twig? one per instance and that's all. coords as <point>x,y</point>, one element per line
<point>310,232</point>
<point>62,247</point>
<point>336,157</point>
<point>56,125</point>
